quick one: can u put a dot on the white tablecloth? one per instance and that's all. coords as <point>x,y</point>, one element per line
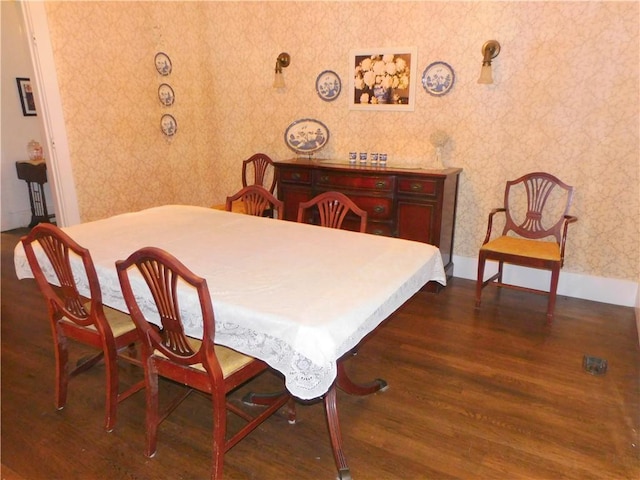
<point>296,296</point>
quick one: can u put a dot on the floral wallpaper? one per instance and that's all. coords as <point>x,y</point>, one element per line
<point>565,99</point>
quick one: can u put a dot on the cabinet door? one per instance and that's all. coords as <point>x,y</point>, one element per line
<point>377,208</point>
<point>292,196</point>
<point>417,221</point>
<point>294,186</point>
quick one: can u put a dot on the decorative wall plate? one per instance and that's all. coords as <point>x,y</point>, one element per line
<point>166,95</point>
<point>328,85</point>
<point>438,78</point>
<point>163,64</point>
<point>306,135</point>
<point>168,125</point>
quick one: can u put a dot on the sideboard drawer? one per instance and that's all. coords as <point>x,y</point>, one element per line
<point>419,186</point>
<point>381,228</point>
<point>378,183</point>
<point>380,208</point>
<point>386,229</point>
<point>291,175</point>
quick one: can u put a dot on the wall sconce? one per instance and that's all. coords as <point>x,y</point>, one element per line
<point>282,61</point>
<point>490,50</point>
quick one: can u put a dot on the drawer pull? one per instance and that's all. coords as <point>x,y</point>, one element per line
<point>324,178</point>
<point>416,186</point>
<point>379,209</point>
<point>296,176</point>
<point>381,184</point>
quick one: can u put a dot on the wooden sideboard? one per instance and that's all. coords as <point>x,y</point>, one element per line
<point>413,204</point>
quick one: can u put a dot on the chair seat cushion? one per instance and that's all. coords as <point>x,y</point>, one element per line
<point>236,207</point>
<point>119,322</point>
<point>524,247</point>
<point>230,360</point>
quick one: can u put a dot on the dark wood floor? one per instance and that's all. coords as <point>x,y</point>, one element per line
<point>489,395</point>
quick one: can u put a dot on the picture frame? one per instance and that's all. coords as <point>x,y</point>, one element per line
<point>383,79</point>
<point>27,101</point>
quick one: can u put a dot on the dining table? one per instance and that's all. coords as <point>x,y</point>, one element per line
<point>300,297</point>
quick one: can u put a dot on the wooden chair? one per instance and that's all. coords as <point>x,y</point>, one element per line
<point>260,167</point>
<point>256,170</point>
<point>74,317</point>
<point>256,201</point>
<point>332,207</point>
<point>196,363</point>
<point>541,213</point>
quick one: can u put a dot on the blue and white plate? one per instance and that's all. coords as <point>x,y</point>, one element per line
<point>328,85</point>
<point>168,125</point>
<point>306,135</point>
<point>163,64</point>
<point>438,78</point>
<point>166,95</point>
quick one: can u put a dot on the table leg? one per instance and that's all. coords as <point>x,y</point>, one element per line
<point>264,399</point>
<point>349,386</point>
<point>267,399</point>
<point>331,410</point>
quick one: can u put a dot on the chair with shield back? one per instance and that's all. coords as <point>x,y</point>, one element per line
<point>257,201</point>
<point>198,364</point>
<point>536,219</point>
<point>259,170</point>
<point>256,170</point>
<point>84,319</point>
<point>332,208</point>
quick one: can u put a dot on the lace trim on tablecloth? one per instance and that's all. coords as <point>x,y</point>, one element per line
<point>303,378</point>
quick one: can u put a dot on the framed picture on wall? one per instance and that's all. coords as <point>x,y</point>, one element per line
<point>26,97</point>
<point>383,79</point>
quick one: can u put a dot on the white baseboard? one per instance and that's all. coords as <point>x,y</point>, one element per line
<point>588,287</point>
<point>638,315</point>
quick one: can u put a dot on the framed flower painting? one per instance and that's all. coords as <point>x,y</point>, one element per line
<point>383,79</point>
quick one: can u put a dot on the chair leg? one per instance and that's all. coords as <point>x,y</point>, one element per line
<point>291,411</point>
<point>555,276</point>
<point>219,446</point>
<point>500,270</point>
<point>152,415</point>
<point>62,368</point>
<point>480,279</point>
<point>132,350</point>
<point>113,385</point>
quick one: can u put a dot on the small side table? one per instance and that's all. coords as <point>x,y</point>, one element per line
<point>35,174</point>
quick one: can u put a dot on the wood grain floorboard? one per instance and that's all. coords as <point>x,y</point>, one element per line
<point>488,394</point>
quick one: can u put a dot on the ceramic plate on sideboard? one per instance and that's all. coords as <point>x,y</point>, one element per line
<point>306,135</point>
